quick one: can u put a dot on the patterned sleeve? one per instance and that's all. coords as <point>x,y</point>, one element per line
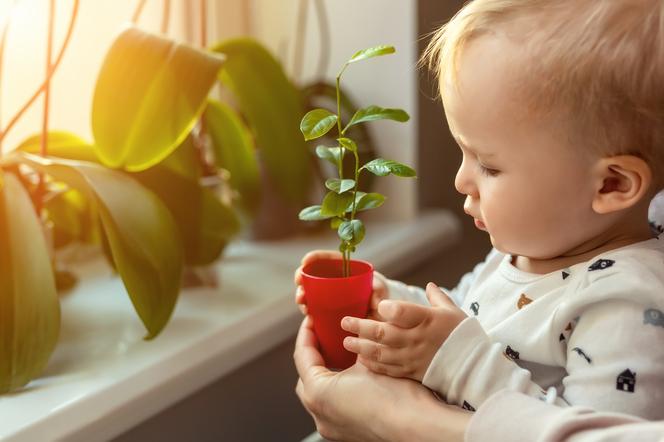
<point>614,360</point>
<point>539,422</point>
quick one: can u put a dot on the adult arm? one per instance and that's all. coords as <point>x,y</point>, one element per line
<point>358,405</point>
<point>511,416</point>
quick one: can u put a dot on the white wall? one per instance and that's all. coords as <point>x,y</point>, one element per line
<point>389,81</point>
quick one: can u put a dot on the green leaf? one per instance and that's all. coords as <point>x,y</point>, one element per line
<point>185,160</point>
<point>61,144</point>
<point>312,213</point>
<point>367,201</point>
<point>141,232</point>
<point>331,154</point>
<point>29,305</point>
<point>317,123</point>
<point>339,186</point>
<point>234,151</point>
<point>336,222</point>
<point>272,107</point>
<point>372,52</point>
<point>382,167</point>
<point>348,144</point>
<point>335,204</point>
<point>372,113</point>
<point>351,231</point>
<point>149,94</point>
<point>206,224</point>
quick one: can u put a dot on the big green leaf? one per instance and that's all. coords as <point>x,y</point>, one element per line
<point>372,113</point>
<point>142,235</point>
<point>367,201</point>
<point>317,123</point>
<point>351,231</point>
<point>149,93</point>
<point>331,154</point>
<point>372,52</point>
<point>234,151</point>
<point>273,109</point>
<point>61,144</point>
<point>29,306</point>
<point>335,204</point>
<point>205,223</point>
<point>312,213</point>
<point>382,167</point>
<point>339,186</point>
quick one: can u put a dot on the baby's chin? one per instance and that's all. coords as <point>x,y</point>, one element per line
<point>530,251</point>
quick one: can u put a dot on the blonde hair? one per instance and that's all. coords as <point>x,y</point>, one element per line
<point>597,63</point>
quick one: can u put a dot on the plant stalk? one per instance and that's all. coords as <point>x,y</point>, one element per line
<point>43,148</point>
<point>42,87</point>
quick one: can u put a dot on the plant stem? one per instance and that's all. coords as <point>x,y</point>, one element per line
<point>3,38</point>
<point>41,188</point>
<point>34,96</point>
<point>342,149</point>
<point>203,22</point>
<point>137,12</point>
<point>166,17</point>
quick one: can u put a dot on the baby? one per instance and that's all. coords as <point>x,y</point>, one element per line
<point>558,108</point>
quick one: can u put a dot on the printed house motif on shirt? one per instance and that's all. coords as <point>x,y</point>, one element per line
<point>601,264</point>
<point>511,353</point>
<point>654,317</point>
<point>626,381</point>
<point>467,406</point>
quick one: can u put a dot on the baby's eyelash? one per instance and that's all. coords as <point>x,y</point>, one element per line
<point>487,170</point>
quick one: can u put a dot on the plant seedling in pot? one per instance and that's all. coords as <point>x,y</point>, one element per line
<point>335,288</point>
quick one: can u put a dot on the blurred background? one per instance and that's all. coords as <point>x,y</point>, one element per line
<point>312,39</point>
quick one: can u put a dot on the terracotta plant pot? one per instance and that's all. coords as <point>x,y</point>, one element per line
<point>330,297</point>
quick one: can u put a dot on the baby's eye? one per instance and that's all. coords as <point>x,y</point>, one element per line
<point>487,170</point>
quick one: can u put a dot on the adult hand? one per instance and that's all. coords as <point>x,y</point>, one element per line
<point>358,405</point>
<point>405,342</point>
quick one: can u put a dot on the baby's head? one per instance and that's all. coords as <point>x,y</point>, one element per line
<point>558,107</point>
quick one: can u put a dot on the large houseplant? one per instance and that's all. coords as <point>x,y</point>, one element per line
<point>135,130</point>
<point>342,287</point>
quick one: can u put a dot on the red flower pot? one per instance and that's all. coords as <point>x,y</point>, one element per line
<point>329,297</point>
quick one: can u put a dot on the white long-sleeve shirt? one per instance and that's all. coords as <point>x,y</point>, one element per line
<point>591,334</point>
<point>508,416</point>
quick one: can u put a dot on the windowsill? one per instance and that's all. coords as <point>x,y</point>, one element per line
<point>104,379</point>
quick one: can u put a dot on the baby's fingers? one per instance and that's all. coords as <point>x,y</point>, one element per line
<point>376,331</point>
<point>372,351</point>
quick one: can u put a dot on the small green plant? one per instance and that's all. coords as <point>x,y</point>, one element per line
<point>344,199</point>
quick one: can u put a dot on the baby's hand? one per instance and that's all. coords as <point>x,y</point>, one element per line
<point>379,287</point>
<point>405,344</point>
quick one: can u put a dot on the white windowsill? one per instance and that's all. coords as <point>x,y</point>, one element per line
<point>104,379</point>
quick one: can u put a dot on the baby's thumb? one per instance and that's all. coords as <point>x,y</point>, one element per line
<point>436,296</point>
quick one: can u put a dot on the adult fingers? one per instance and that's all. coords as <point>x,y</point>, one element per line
<point>380,332</point>
<point>320,254</point>
<point>437,297</point>
<point>394,370</point>
<point>308,360</point>
<point>379,291</point>
<point>403,314</point>
<point>373,351</point>
<point>300,299</point>
<point>297,276</point>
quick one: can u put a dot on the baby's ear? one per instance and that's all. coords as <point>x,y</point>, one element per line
<point>622,182</point>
